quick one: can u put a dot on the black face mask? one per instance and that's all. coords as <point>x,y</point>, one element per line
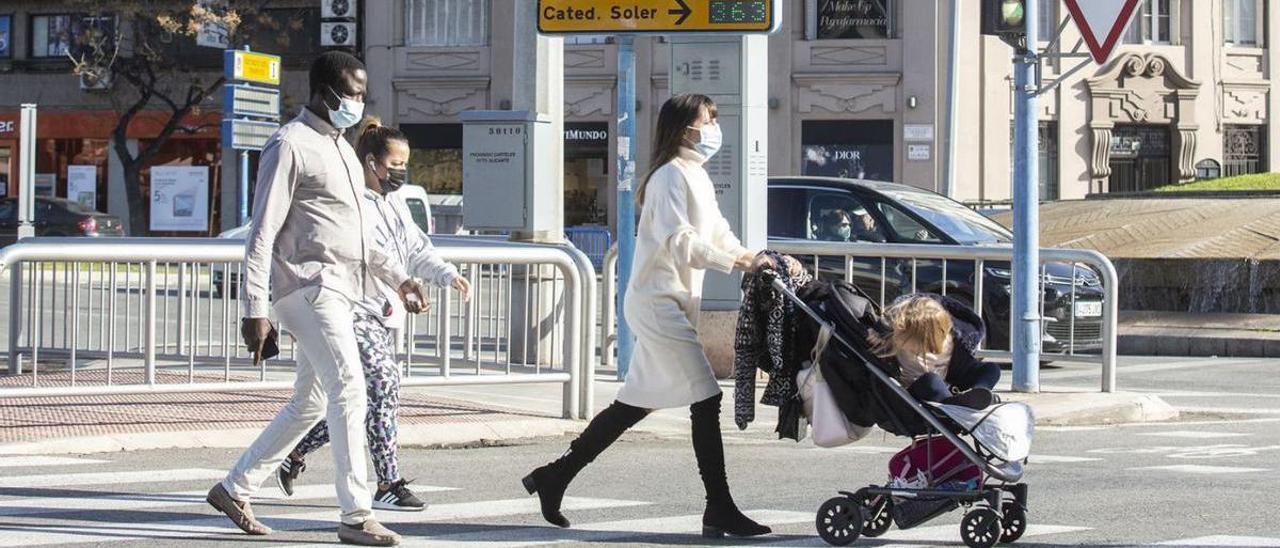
<point>395,179</point>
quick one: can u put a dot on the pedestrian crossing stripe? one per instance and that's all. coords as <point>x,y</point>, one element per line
<point>1202,469</point>
<point>1223,540</point>
<point>31,462</point>
<point>30,506</point>
<point>204,527</point>
<point>1189,434</point>
<point>111,478</point>
<point>605,531</point>
<point>932,535</point>
<point>1057,459</point>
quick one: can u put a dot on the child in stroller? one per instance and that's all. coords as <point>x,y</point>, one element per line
<point>934,339</point>
<point>869,389</point>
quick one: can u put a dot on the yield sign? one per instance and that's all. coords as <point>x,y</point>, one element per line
<point>1101,22</point>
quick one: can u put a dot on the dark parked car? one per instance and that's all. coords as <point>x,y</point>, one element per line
<point>58,217</point>
<point>819,208</point>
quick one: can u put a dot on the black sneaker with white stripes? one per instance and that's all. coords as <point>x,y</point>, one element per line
<point>288,473</point>
<point>398,497</point>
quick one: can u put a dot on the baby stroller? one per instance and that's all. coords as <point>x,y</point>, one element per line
<point>994,495</point>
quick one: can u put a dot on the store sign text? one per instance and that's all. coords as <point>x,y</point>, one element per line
<point>7,126</point>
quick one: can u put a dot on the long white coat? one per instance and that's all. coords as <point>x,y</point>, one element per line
<point>681,234</point>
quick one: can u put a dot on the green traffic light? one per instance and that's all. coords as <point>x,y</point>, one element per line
<point>1011,12</point>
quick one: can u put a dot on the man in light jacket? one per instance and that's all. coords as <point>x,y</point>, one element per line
<point>309,237</point>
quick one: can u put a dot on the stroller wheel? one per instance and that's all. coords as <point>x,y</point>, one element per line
<point>839,521</point>
<point>875,509</point>
<point>1014,522</point>
<point>981,528</point>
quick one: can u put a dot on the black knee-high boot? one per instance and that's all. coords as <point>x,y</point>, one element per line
<point>722,515</point>
<point>550,481</point>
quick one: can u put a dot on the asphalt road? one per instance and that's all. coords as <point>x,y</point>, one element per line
<point>1203,481</point>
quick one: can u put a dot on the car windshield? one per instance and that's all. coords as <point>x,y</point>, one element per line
<point>957,221</point>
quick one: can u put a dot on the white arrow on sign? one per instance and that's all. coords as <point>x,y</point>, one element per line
<point>1102,23</point>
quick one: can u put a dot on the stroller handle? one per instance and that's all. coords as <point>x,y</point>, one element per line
<point>897,389</point>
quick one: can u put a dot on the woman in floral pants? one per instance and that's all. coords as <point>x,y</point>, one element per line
<point>385,153</point>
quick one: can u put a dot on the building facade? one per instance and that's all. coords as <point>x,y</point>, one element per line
<point>860,90</point>
<point>75,157</point>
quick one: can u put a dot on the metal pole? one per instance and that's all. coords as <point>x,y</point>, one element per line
<point>626,196</point>
<point>149,319</point>
<point>953,94</point>
<point>244,188</point>
<point>15,318</point>
<point>1026,221</point>
<point>27,172</point>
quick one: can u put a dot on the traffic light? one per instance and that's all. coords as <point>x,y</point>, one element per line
<point>1006,19</point>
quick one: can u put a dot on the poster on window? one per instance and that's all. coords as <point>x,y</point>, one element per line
<point>82,185</point>
<point>6,36</point>
<point>871,162</point>
<point>849,19</point>
<point>180,199</point>
<point>46,184</point>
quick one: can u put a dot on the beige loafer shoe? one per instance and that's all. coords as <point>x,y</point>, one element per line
<point>240,513</point>
<point>369,533</point>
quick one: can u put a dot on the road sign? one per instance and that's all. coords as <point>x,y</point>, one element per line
<point>213,31</point>
<point>247,134</point>
<point>658,16</point>
<point>251,66</point>
<point>1102,23</point>
<point>253,101</point>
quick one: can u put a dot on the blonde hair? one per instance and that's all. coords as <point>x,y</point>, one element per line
<point>919,325</point>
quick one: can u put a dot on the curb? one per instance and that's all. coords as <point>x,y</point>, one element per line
<point>411,435</point>
<point>1094,408</point>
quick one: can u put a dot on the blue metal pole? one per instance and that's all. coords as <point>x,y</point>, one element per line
<point>626,171</point>
<point>244,188</point>
<point>1026,216</point>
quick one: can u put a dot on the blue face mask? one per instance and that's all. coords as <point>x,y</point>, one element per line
<point>349,113</point>
<point>710,139</point>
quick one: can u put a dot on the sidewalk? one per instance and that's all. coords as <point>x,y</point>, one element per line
<point>1187,334</point>
<point>436,416</point>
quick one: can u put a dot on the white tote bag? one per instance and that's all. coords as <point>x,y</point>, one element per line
<point>830,428</point>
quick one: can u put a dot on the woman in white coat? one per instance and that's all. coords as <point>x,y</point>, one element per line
<point>681,234</point>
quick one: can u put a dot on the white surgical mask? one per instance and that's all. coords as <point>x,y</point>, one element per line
<point>349,113</point>
<point>710,139</point>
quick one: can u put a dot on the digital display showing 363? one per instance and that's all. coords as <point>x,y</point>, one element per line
<point>739,11</point>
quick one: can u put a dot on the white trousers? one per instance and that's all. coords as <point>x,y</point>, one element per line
<point>328,370</point>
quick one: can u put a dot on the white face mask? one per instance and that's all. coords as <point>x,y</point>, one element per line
<point>349,113</point>
<point>710,139</point>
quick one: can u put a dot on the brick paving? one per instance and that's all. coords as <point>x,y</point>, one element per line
<point>32,419</point>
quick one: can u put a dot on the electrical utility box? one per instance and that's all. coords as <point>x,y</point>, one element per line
<point>734,72</point>
<point>503,154</point>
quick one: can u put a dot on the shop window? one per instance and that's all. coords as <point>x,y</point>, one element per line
<point>1240,22</point>
<point>1152,25</point>
<point>69,35</point>
<point>586,173</point>
<point>60,160</point>
<point>1244,150</point>
<point>851,19</point>
<point>856,149</point>
<point>446,22</point>
<point>435,162</point>
<point>6,36</point>
<point>188,152</point>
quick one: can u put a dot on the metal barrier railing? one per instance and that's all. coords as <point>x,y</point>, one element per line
<point>609,327</point>
<point>885,271</point>
<point>162,315</point>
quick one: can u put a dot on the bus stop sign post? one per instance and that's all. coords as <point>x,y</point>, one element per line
<point>624,19</point>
